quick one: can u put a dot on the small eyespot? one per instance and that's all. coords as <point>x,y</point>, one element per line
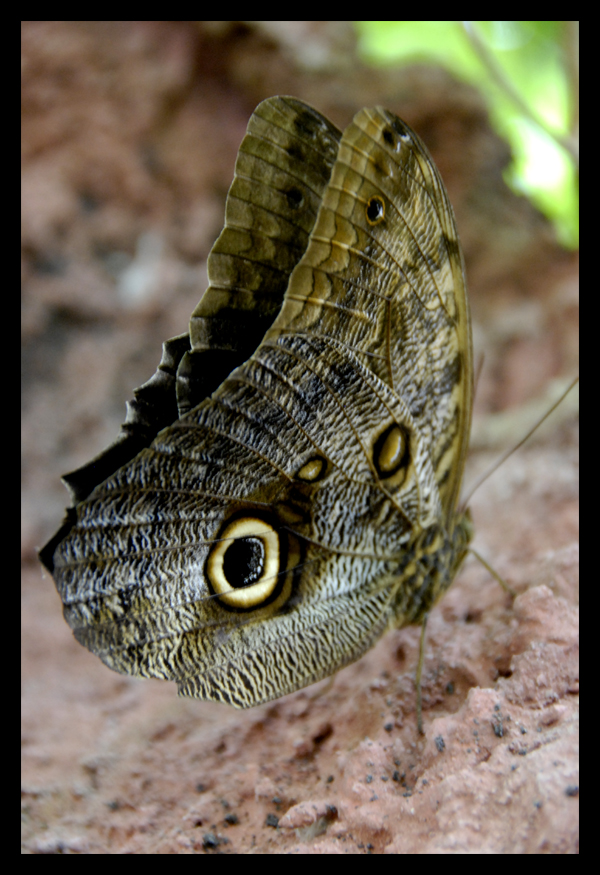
<point>243,565</point>
<point>295,198</point>
<point>388,138</point>
<point>375,211</point>
<point>402,129</point>
<point>391,452</point>
<point>313,470</point>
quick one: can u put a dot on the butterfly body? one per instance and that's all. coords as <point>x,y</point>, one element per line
<point>292,513</point>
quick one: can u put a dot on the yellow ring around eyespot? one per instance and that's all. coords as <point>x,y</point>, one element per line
<point>256,593</point>
<point>377,205</point>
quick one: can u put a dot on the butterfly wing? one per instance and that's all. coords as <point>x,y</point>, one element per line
<point>284,163</point>
<point>272,534</point>
<point>384,275</point>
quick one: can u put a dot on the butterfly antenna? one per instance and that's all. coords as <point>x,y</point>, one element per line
<point>509,452</point>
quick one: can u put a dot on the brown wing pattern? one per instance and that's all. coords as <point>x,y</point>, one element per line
<point>270,535</point>
<point>384,274</point>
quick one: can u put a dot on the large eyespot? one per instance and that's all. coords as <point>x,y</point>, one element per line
<point>391,454</point>
<point>375,210</point>
<point>244,564</point>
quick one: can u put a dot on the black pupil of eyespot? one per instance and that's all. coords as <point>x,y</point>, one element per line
<point>243,562</point>
<point>294,198</point>
<point>374,209</point>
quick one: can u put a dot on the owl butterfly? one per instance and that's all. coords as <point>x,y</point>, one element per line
<point>285,487</point>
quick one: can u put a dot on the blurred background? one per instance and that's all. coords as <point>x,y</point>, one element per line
<point>130,131</point>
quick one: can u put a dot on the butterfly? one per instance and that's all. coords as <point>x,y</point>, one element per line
<point>285,488</point>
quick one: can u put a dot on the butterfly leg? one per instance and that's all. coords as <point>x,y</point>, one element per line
<point>494,574</point>
<point>419,672</point>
